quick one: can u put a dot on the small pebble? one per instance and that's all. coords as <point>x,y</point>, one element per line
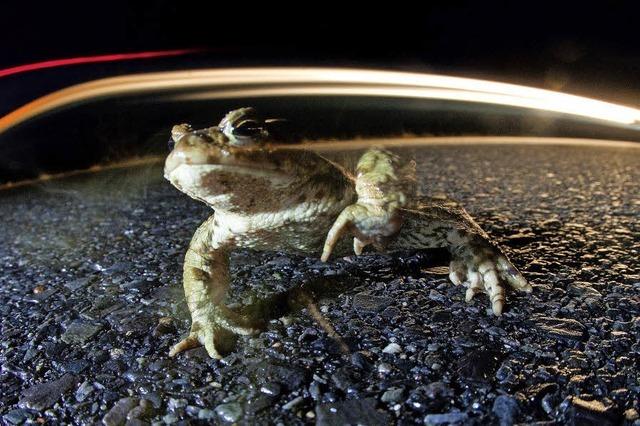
<point>384,368</point>
<point>231,412</point>
<point>392,348</point>
<point>293,403</point>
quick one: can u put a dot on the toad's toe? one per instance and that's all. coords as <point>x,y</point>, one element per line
<point>185,344</point>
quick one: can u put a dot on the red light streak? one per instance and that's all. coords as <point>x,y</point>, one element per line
<point>54,63</point>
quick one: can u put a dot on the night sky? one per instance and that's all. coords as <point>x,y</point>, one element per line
<point>574,48</point>
<point>588,50</point>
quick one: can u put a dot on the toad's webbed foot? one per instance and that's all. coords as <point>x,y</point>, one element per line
<point>216,330</point>
<point>484,268</point>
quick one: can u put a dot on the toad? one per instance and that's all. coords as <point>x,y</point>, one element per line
<point>299,202</point>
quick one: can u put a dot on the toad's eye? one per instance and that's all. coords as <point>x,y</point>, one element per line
<point>246,132</point>
<point>248,128</point>
<point>243,127</point>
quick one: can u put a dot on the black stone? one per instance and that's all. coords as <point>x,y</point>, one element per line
<point>592,413</point>
<point>44,395</point>
<point>450,418</point>
<point>506,409</point>
<point>367,304</point>
<point>520,239</point>
<point>346,379</point>
<point>358,360</point>
<point>353,411</point>
<point>117,415</point>
<point>289,376</point>
<point>563,328</point>
<point>79,332</point>
<point>17,416</point>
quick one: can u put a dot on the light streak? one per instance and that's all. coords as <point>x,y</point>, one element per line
<point>234,83</point>
<point>431,141</point>
<point>56,63</point>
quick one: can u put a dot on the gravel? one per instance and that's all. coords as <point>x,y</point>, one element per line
<point>91,301</point>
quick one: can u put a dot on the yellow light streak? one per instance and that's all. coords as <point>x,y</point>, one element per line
<point>233,83</point>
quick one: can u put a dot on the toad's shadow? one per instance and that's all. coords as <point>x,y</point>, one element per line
<point>308,288</point>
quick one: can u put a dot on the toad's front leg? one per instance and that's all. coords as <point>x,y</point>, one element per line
<point>206,281</point>
<point>383,185</point>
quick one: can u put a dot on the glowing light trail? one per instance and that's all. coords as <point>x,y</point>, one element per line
<point>231,83</point>
<point>600,112</point>
<point>55,63</point>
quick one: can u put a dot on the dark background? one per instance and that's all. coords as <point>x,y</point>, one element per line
<point>573,47</point>
<point>577,48</point>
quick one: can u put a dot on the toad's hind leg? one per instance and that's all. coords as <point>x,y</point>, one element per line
<point>477,262</point>
<point>206,281</point>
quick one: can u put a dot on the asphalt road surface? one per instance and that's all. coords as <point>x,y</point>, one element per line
<point>91,302</point>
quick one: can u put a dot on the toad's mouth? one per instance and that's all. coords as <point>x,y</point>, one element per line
<point>201,160</point>
<point>179,157</point>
